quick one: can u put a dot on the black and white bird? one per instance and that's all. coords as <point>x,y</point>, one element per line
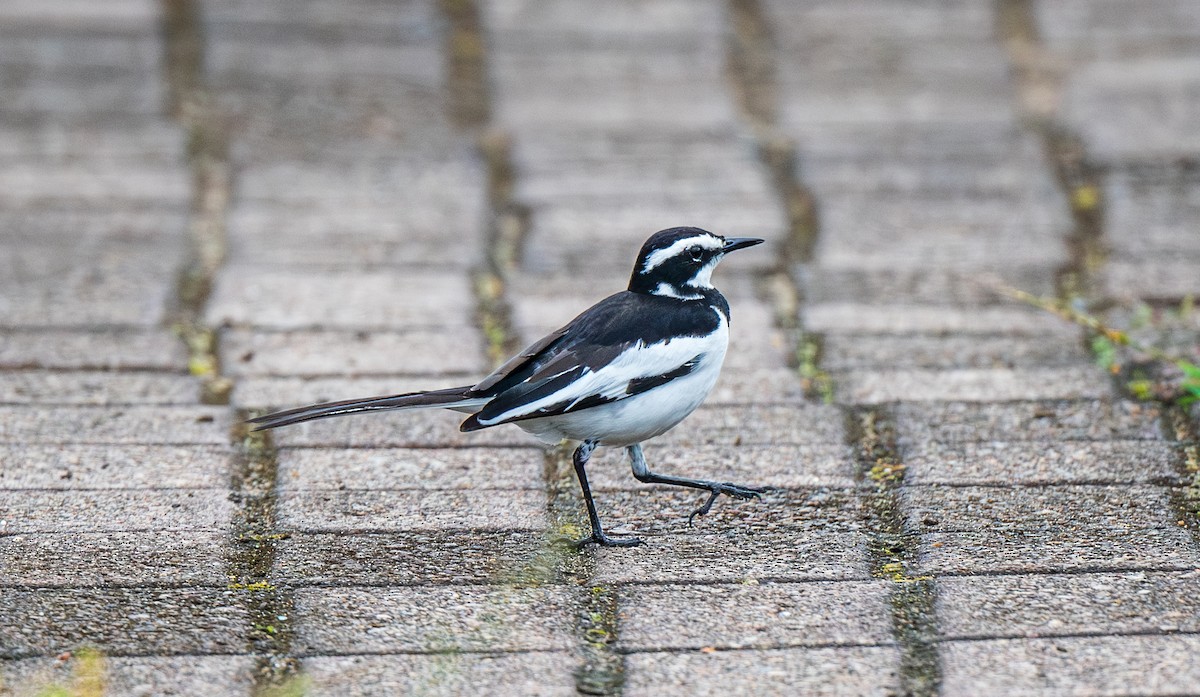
<point>627,369</point>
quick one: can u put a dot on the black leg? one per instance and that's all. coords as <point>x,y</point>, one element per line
<point>580,458</point>
<point>642,471</point>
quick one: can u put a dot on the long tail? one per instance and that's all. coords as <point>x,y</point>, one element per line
<point>451,398</point>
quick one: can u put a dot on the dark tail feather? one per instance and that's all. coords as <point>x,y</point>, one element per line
<point>412,400</point>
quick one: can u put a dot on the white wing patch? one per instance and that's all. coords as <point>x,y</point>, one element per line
<point>636,362</point>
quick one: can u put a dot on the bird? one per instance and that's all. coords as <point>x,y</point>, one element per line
<point>625,370</point>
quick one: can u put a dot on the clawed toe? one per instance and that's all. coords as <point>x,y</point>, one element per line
<point>606,541</point>
<point>735,490</point>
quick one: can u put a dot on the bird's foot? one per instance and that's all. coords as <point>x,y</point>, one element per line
<point>737,491</point>
<point>599,538</point>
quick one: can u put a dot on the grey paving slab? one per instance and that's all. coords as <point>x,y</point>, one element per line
<point>422,351</point>
<point>1104,24</point>
<point>1152,214</point>
<point>1064,548</point>
<point>692,556</point>
<point>770,615</point>
<point>93,182</point>
<point>971,384</point>
<point>1059,462</point>
<point>786,466</point>
<point>1115,665</point>
<point>323,233</point>
<point>855,670</point>
<point>33,466</point>
<point>975,508</point>
<point>136,621</point>
<point>270,393</point>
<point>1168,280</point>
<point>38,510</point>
<point>440,557</point>
<point>679,19</point>
<point>92,350</point>
<point>1048,605</point>
<point>276,299</point>
<point>132,425</point>
<point>81,98</point>
<point>433,509</point>
<point>852,352</point>
<point>407,429</point>
<point>533,673</point>
<point>122,14</point>
<point>898,318</point>
<point>411,469</point>
<point>43,387</point>
<point>794,423</point>
<point>1136,109</point>
<point>149,141</point>
<point>78,558</point>
<point>665,510</point>
<point>341,621</point>
<point>953,288</point>
<point>95,295</point>
<point>1032,421</point>
<point>169,676</point>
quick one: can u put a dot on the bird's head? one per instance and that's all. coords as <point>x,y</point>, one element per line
<point>678,262</point>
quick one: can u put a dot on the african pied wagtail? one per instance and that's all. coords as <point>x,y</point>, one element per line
<point>626,370</point>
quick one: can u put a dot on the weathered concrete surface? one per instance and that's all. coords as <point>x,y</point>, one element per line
<point>959,502</point>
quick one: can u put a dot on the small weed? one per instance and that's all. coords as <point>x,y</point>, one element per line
<point>89,677</point>
<point>1148,372</point>
<point>813,379</point>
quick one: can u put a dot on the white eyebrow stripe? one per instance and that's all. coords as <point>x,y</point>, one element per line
<point>658,256</point>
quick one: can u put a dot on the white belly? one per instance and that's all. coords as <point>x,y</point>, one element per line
<point>642,416</point>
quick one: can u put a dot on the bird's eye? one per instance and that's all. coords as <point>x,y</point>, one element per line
<point>696,252</point>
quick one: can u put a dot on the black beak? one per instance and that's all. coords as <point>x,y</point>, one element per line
<point>733,243</point>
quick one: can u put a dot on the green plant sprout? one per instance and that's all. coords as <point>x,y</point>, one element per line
<point>1107,341</point>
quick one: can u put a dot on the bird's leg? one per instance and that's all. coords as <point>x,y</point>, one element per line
<point>580,458</point>
<point>642,471</point>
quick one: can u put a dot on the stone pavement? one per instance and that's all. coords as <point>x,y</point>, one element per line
<point>212,208</point>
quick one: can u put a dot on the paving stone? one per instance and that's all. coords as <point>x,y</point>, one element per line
<point>758,424</point>
<point>534,673</point>
<point>140,621</point>
<point>133,425</point>
<point>1022,462</point>
<point>324,234</point>
<point>35,387</point>
<point>1163,280</point>
<point>1158,665</point>
<point>853,352</point>
<point>443,557</point>
<point>855,670</point>
<point>1071,547</point>
<point>971,384</point>
<point>787,466</point>
<point>126,510</point>
<point>346,621</point>
<point>665,510</point>
<point>30,466</point>
<point>736,557</point>
<point>413,510</point>
<point>115,292</point>
<point>614,20</point>
<point>861,288</point>
<point>770,615</point>
<point>1109,509</point>
<point>422,351</point>
<point>1146,102</point>
<point>362,300</point>
<point>168,676</point>
<point>73,14</point>
<point>81,98</point>
<point>93,182</point>
<point>1031,421</point>
<point>1152,215</point>
<point>847,317</point>
<point>91,350</point>
<point>152,142</point>
<point>411,468</point>
<point>1048,605</point>
<point>745,386</point>
<point>409,429</point>
<point>1104,22</point>
<point>271,393</point>
<point>113,559</point>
